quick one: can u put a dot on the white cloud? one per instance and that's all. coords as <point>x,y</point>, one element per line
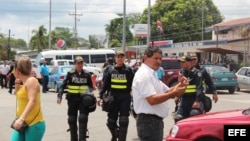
<point>21,17</point>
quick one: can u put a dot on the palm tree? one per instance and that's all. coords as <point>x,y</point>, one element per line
<point>39,40</point>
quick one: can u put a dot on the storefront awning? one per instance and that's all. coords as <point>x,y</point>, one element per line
<point>220,50</point>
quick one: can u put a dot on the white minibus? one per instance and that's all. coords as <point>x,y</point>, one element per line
<point>92,57</point>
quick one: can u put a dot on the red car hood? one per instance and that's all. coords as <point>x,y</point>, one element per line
<point>215,115</point>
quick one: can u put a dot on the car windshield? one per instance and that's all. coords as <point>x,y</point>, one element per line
<point>170,64</point>
<point>66,69</point>
<point>216,69</point>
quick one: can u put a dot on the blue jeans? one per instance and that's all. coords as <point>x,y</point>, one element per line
<point>33,133</point>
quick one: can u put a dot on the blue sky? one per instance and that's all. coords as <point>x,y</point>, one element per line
<point>22,16</point>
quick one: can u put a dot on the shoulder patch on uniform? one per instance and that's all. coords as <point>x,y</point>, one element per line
<point>199,74</point>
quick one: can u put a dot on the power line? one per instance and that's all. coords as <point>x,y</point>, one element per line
<point>75,14</point>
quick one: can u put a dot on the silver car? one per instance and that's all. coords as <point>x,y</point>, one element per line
<point>243,76</point>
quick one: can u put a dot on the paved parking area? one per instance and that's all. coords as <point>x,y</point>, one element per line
<point>56,116</point>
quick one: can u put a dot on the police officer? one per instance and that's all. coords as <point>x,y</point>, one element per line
<point>191,102</point>
<point>118,82</point>
<point>110,63</point>
<point>79,86</point>
<point>207,78</point>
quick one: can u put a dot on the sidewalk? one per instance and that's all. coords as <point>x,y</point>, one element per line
<point>56,120</point>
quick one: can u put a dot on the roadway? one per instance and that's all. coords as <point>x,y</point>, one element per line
<point>56,116</point>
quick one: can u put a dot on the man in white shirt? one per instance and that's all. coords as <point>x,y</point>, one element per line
<point>150,96</point>
<point>4,69</point>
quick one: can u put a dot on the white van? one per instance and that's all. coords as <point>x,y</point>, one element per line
<point>60,62</point>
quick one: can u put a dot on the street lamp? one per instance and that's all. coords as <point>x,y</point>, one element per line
<point>149,26</point>
<point>124,27</point>
<point>49,24</point>
<point>9,48</point>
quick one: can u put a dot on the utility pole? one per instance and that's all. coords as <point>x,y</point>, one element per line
<point>202,22</point>
<point>9,48</point>
<point>49,24</point>
<point>75,28</point>
<point>124,27</point>
<point>149,26</point>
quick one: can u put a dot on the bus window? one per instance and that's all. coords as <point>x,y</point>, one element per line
<point>66,57</point>
<point>48,60</point>
<point>98,58</point>
<point>110,55</point>
<point>85,58</point>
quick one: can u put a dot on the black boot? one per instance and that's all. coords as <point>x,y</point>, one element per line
<point>73,128</point>
<point>113,128</point>
<point>83,120</point>
<point>123,122</point>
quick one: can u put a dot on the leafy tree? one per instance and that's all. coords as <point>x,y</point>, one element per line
<point>19,43</point>
<point>182,19</point>
<point>54,38</point>
<point>66,35</point>
<point>115,30</point>
<point>115,43</point>
<point>83,42</point>
<point>39,40</point>
<point>95,42</point>
<point>4,42</point>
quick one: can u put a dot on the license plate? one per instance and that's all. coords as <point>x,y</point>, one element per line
<point>224,79</point>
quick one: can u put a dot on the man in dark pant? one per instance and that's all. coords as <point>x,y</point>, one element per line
<point>12,80</point>
<point>45,81</point>
<point>150,96</point>
<point>44,70</point>
<point>156,124</point>
<point>11,76</point>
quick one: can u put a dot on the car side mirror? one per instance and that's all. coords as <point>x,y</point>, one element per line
<point>248,74</point>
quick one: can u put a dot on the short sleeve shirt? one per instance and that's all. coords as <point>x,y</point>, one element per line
<point>146,84</point>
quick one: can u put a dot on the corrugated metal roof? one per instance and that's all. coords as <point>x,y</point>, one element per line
<point>229,24</point>
<point>220,50</point>
<point>241,21</point>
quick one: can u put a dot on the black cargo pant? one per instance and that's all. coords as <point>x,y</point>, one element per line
<point>75,104</point>
<point>121,109</point>
<point>185,108</point>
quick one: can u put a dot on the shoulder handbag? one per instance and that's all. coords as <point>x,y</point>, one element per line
<point>25,125</point>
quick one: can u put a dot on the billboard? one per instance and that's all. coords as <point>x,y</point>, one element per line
<point>141,30</point>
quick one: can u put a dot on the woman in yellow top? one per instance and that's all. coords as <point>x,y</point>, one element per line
<point>28,103</point>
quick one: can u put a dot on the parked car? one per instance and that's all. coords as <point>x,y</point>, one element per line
<point>172,68</point>
<point>243,76</point>
<point>223,79</point>
<point>57,75</point>
<point>92,69</point>
<point>207,127</point>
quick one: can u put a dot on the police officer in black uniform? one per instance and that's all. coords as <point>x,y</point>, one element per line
<point>118,82</point>
<point>206,76</point>
<point>79,97</point>
<point>191,102</point>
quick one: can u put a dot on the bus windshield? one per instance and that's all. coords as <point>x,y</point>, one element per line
<point>92,57</point>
